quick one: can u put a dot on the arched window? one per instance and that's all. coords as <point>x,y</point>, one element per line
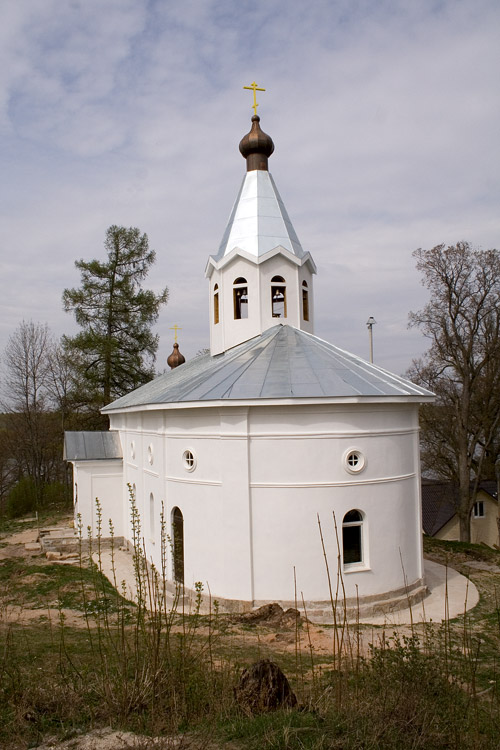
<point>305,301</point>
<point>151,516</point>
<point>278,297</point>
<point>216,304</point>
<point>178,544</point>
<point>240,298</point>
<point>352,538</point>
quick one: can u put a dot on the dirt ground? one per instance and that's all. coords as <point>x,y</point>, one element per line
<point>272,632</point>
<point>276,633</point>
<point>12,546</point>
<point>109,739</point>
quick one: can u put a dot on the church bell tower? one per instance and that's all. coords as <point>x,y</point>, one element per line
<point>260,276</point>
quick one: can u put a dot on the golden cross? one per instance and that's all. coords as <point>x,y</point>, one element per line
<point>175,328</point>
<point>253,87</point>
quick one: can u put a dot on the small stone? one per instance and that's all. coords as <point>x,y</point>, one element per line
<point>53,555</point>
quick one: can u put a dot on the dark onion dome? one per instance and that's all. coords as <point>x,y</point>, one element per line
<point>176,358</point>
<point>256,146</point>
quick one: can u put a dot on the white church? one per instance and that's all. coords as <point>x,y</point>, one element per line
<point>246,447</point>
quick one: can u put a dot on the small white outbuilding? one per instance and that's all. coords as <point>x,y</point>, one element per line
<point>242,450</point>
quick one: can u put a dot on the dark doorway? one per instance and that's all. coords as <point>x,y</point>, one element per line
<point>178,543</point>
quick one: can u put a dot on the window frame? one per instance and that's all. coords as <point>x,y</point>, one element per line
<point>278,284</point>
<point>240,305</point>
<point>216,305</point>
<point>478,509</point>
<point>359,524</point>
<point>354,468</point>
<point>305,302</point>
<point>189,460</point>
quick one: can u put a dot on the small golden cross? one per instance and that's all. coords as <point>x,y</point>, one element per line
<point>253,87</point>
<point>175,328</point>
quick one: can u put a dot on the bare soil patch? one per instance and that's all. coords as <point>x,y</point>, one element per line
<point>267,633</point>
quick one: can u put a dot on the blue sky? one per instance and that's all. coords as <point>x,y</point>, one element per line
<point>385,117</point>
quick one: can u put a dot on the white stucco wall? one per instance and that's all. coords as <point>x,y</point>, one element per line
<point>229,332</point>
<point>102,480</point>
<point>262,476</point>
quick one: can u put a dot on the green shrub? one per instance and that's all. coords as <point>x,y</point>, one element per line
<point>57,495</point>
<point>22,498</point>
<point>26,497</point>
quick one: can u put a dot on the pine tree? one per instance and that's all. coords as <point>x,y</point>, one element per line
<point>115,350</point>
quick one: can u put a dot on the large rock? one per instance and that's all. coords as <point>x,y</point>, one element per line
<point>263,687</point>
<point>269,614</point>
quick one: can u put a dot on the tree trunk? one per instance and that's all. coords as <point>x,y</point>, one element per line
<point>463,408</point>
<point>464,527</point>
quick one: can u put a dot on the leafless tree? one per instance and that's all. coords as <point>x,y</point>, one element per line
<point>31,422</point>
<point>462,366</point>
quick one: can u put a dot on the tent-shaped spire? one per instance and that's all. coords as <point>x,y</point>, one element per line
<point>259,221</point>
<point>260,272</point>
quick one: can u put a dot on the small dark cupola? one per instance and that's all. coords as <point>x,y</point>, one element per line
<point>176,358</point>
<point>256,147</point>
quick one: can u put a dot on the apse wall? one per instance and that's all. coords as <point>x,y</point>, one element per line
<point>260,478</point>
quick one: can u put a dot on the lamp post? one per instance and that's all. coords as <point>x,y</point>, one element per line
<point>370,323</point>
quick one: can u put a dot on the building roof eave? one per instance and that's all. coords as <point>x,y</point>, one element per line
<point>237,252</point>
<point>258,402</point>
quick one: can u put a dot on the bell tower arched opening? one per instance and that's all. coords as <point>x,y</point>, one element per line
<point>240,298</point>
<point>278,297</point>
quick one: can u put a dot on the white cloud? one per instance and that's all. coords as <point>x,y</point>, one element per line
<point>384,117</point>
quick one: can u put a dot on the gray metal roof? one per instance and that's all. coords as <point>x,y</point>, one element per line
<point>281,363</point>
<point>259,221</point>
<point>92,446</point>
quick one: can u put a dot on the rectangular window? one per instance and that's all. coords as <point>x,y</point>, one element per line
<point>478,509</point>
<point>241,303</point>
<point>278,301</point>
<point>352,549</point>
<point>216,308</point>
<point>305,304</point>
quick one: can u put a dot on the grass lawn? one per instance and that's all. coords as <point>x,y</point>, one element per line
<point>85,657</point>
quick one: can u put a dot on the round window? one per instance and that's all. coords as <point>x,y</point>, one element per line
<point>189,460</point>
<point>354,460</point>
<point>150,454</point>
<point>132,450</point>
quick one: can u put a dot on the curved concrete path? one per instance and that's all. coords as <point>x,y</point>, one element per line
<point>450,595</point>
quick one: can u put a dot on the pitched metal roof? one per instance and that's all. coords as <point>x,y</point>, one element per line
<point>281,363</point>
<point>92,446</point>
<point>259,221</point>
